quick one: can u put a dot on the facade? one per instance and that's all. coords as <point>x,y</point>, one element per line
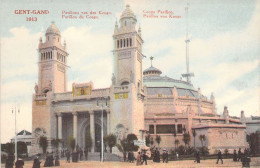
<point>136,102</point>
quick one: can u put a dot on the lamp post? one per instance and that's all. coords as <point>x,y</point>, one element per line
<point>102,129</point>
<point>14,111</point>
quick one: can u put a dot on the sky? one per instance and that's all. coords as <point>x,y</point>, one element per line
<point>224,49</point>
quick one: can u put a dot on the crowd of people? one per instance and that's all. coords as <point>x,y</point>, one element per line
<point>141,158</point>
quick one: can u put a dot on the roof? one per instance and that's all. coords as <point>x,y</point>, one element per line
<point>128,13</point>
<point>24,132</point>
<point>52,29</point>
<point>164,81</point>
<point>152,69</point>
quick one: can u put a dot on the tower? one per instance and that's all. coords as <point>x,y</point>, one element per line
<point>52,78</point>
<point>52,62</point>
<point>127,82</point>
<point>128,50</point>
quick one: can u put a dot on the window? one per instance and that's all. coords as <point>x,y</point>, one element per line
<point>127,42</point>
<point>120,43</point>
<point>130,42</point>
<point>124,42</point>
<point>82,91</point>
<point>151,129</point>
<point>179,128</point>
<point>165,129</point>
<point>125,83</point>
<point>117,43</point>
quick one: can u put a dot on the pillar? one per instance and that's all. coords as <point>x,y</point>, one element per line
<point>92,130</point>
<point>59,125</point>
<point>108,122</point>
<point>75,126</point>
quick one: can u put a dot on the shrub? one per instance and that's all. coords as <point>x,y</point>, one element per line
<point>181,150</point>
<point>226,152</point>
<point>204,151</point>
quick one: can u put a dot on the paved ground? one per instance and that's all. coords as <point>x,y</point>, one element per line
<point>183,164</point>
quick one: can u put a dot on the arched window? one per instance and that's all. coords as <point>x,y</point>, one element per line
<point>127,42</point>
<point>125,83</point>
<point>120,43</point>
<point>124,42</point>
<point>117,43</point>
<point>130,42</point>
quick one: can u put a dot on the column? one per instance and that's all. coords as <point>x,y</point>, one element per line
<point>59,125</point>
<point>75,126</point>
<point>92,130</point>
<point>108,122</point>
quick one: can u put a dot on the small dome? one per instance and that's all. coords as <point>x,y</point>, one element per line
<point>128,13</point>
<point>52,29</point>
<point>152,71</point>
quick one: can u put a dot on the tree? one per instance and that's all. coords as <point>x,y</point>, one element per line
<point>177,142</point>
<point>8,147</point>
<point>194,136</point>
<point>158,139</point>
<point>253,140</point>
<point>202,138</point>
<point>130,142</point>
<point>71,142</point>
<point>55,143</point>
<point>43,143</point>
<point>88,141</point>
<point>111,141</point>
<point>186,138</point>
<point>148,140</point>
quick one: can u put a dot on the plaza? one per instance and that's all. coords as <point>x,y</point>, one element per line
<point>255,162</point>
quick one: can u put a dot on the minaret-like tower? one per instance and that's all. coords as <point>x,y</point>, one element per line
<point>52,62</point>
<point>52,78</point>
<point>127,81</point>
<point>128,50</point>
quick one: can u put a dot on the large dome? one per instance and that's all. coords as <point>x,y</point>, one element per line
<point>156,83</point>
<point>52,29</point>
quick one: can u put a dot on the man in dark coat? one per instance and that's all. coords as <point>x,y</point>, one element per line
<point>235,156</point>
<point>198,157</point>
<point>68,156</point>
<point>57,159</point>
<point>219,157</point>
<point>144,158</point>
<point>36,163</point>
<point>239,154</point>
<point>164,156</point>
<point>9,161</point>
<point>47,160</point>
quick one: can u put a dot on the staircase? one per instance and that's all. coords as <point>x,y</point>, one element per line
<point>107,157</point>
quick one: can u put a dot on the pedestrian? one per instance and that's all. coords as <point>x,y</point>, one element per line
<point>132,157</point>
<point>219,157</point>
<point>36,162</point>
<point>57,159</point>
<point>144,158</point>
<point>86,153</point>
<point>80,153</point>
<point>129,156</point>
<point>177,156</point>
<point>167,155</point>
<point>47,160</point>
<point>164,156</point>
<point>19,163</point>
<point>124,156</point>
<point>138,159</point>
<point>198,157</point>
<point>51,160</point>
<point>68,156</point>
<point>239,154</point>
<point>158,156</point>
<point>9,161</point>
<point>235,156</point>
